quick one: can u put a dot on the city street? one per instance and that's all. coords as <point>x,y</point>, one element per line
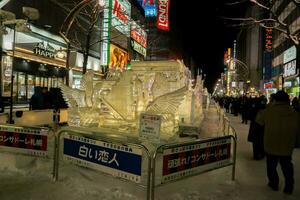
<point>76,184</point>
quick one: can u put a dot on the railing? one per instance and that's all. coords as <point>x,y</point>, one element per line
<point>27,142</point>
<point>75,145</point>
<point>195,158</point>
<point>82,148</point>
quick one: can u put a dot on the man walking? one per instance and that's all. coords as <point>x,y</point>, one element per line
<point>281,127</point>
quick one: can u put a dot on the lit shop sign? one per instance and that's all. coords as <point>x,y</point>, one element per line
<point>138,48</point>
<point>6,69</point>
<point>163,15</point>
<point>118,58</point>
<point>120,16</point>
<point>138,34</point>
<point>268,85</point>
<point>287,84</point>
<point>76,60</point>
<point>268,39</point>
<point>44,50</point>
<point>289,54</point>
<point>150,7</point>
<point>289,69</point>
<point>105,33</point>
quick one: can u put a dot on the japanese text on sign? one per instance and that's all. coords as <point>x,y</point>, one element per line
<point>150,126</point>
<point>114,159</point>
<point>24,140</point>
<point>189,159</point>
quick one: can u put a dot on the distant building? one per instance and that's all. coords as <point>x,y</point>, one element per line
<point>249,52</point>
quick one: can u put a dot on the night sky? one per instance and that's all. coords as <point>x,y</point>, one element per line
<point>199,30</point>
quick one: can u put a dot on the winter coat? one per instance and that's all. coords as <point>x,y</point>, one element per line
<point>256,132</point>
<point>281,128</point>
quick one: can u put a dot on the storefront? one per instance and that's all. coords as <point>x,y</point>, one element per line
<point>269,88</point>
<point>115,35</point>
<point>138,42</point>
<point>291,72</point>
<point>39,60</point>
<point>291,87</point>
<point>76,65</point>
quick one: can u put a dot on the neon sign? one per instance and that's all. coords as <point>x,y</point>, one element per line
<point>120,16</point>
<point>268,39</point>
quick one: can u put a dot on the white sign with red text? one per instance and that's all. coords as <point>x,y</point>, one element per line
<point>121,12</point>
<point>138,34</point>
<point>163,10</point>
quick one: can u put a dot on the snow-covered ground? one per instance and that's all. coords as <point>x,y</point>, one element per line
<point>19,183</point>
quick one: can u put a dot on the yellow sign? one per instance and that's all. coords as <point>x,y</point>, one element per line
<point>118,58</point>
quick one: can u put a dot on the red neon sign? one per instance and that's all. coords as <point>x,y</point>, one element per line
<point>163,15</point>
<point>268,39</point>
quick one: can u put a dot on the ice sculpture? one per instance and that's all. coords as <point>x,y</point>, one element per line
<point>156,87</point>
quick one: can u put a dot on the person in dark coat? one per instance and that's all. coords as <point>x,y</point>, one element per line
<point>256,131</point>
<point>281,132</point>
<point>244,109</point>
<point>36,100</point>
<point>295,104</point>
<point>47,99</point>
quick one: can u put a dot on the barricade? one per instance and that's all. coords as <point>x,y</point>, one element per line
<point>3,118</point>
<point>226,125</point>
<point>199,156</point>
<point>118,156</point>
<point>34,118</point>
<point>29,149</point>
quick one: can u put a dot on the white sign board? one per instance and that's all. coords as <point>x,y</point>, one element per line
<point>289,69</point>
<point>105,37</point>
<point>121,12</point>
<point>289,54</point>
<point>6,75</point>
<point>150,126</point>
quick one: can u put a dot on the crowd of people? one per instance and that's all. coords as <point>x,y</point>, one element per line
<point>274,131</point>
<point>46,99</point>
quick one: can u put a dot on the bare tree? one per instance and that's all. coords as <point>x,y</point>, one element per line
<point>81,27</point>
<point>270,20</point>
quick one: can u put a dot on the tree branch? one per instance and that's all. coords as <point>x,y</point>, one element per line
<point>260,5</point>
<point>236,2</point>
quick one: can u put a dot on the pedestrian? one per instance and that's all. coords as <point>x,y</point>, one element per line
<point>36,100</point>
<point>256,131</point>
<point>295,103</point>
<point>47,99</point>
<point>281,129</point>
<point>244,109</point>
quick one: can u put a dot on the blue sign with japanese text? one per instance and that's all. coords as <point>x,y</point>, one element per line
<point>118,160</point>
<point>150,7</point>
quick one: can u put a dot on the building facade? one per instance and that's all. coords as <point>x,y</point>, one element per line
<point>285,53</point>
<point>249,53</point>
<point>40,56</point>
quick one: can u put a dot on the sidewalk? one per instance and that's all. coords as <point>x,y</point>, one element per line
<point>251,173</point>
<point>251,180</point>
